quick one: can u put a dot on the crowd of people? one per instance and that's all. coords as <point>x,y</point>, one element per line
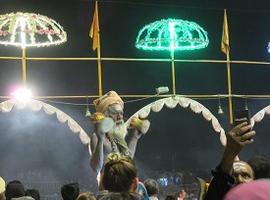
<point>113,148</point>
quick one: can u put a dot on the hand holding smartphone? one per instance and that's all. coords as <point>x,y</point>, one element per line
<point>241,116</point>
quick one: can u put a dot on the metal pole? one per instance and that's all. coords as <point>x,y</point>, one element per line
<point>173,73</point>
<point>23,66</point>
<point>229,88</point>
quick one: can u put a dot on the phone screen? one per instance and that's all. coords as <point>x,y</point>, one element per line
<point>241,116</point>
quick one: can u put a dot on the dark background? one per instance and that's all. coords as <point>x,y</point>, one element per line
<point>178,139</point>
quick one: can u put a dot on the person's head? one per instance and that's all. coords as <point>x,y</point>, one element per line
<point>119,174</point>
<point>152,187</point>
<point>116,112</point>
<point>242,172</point>
<point>86,196</point>
<point>254,190</point>
<point>14,189</point>
<point>2,188</point>
<point>119,129</point>
<point>120,196</point>
<point>111,105</point>
<point>170,197</point>
<point>32,193</point>
<point>70,191</point>
<point>260,166</point>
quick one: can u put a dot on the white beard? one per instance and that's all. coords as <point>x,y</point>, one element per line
<point>119,129</point>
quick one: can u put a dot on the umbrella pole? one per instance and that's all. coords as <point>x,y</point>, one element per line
<point>173,73</point>
<point>24,66</point>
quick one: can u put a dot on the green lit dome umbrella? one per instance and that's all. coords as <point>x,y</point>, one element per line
<point>172,35</point>
<point>29,30</point>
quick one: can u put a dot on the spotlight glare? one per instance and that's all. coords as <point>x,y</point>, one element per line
<point>22,94</point>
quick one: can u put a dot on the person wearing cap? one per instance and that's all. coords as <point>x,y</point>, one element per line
<point>111,106</point>
<point>2,189</point>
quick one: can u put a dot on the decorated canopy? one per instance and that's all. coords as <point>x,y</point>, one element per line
<point>30,30</point>
<point>172,34</point>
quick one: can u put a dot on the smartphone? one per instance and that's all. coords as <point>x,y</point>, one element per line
<point>241,116</point>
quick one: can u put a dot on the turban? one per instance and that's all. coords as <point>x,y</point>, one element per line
<point>254,190</point>
<point>106,100</point>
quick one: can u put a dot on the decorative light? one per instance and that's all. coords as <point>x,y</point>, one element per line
<point>30,30</point>
<point>22,95</point>
<point>87,112</point>
<point>220,110</point>
<point>162,90</point>
<point>246,104</point>
<point>172,34</point>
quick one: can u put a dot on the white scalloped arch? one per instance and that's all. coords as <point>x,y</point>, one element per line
<point>36,105</point>
<point>260,115</point>
<point>172,102</point>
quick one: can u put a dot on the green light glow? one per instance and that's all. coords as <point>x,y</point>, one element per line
<point>172,34</point>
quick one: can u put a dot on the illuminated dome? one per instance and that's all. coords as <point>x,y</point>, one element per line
<point>30,30</point>
<point>172,34</point>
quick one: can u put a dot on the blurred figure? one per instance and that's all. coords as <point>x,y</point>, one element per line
<point>120,196</point>
<point>255,190</point>
<point>181,195</point>
<point>14,189</point>
<point>70,191</point>
<point>203,188</point>
<point>141,190</point>
<point>260,166</point>
<point>2,189</point>
<point>33,193</point>
<point>23,198</point>
<point>242,172</point>
<point>152,188</point>
<point>86,196</point>
<point>170,197</point>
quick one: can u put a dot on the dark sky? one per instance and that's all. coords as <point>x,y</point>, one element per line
<point>175,133</point>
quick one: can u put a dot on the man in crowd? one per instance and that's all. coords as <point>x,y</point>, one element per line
<point>229,173</point>
<point>152,188</point>
<point>119,177</point>
<point>14,189</point>
<point>260,166</point>
<point>102,143</point>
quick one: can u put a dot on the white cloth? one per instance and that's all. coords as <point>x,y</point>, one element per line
<point>23,198</point>
<point>153,198</point>
<point>2,185</point>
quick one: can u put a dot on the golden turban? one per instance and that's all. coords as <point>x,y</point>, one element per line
<point>111,97</point>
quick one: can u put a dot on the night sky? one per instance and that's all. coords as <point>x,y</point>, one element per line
<point>178,139</point>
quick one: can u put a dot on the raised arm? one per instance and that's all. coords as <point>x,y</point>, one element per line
<point>137,128</point>
<point>223,181</point>
<point>97,157</point>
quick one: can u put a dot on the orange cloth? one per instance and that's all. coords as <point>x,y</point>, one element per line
<point>94,30</point>
<point>225,42</point>
<point>106,100</point>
